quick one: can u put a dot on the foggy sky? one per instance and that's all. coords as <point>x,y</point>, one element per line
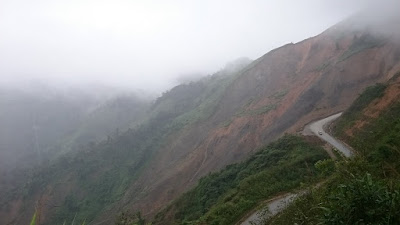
<point>144,44</point>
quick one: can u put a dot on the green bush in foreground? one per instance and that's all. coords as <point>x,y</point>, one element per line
<point>362,200</point>
<point>224,197</point>
<point>365,190</point>
<point>352,196</point>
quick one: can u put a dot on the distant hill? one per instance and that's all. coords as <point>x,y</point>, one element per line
<point>40,122</point>
<point>33,121</point>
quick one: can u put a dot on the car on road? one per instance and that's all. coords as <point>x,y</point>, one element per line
<point>320,132</point>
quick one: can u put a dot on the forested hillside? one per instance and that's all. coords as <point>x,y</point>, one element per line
<point>33,121</point>
<point>226,196</point>
<point>39,123</point>
<point>118,159</point>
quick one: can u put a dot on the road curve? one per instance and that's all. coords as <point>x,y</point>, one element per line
<point>317,128</point>
<point>273,207</point>
<point>276,205</point>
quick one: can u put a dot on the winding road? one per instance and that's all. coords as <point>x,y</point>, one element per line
<point>273,207</point>
<point>317,128</point>
<point>278,204</point>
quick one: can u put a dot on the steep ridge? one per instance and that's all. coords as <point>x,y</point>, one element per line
<point>280,92</point>
<point>222,197</point>
<point>201,127</point>
<point>88,181</point>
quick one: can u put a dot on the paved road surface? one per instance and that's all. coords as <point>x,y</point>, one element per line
<point>274,207</point>
<point>317,129</point>
<point>278,204</point>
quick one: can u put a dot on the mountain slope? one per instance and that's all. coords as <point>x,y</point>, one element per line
<point>203,126</point>
<point>371,125</point>
<point>367,187</point>
<point>115,115</point>
<point>224,197</point>
<point>100,173</point>
<point>63,124</point>
<point>280,92</point>
<point>33,121</point>
<point>40,122</point>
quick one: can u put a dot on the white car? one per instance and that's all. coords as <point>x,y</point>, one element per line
<point>320,132</point>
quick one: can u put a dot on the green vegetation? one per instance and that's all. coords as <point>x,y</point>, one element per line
<point>129,219</point>
<point>395,77</point>
<point>362,200</point>
<point>264,109</point>
<point>360,44</point>
<point>354,113</point>
<point>36,220</point>
<point>33,221</point>
<point>116,115</point>
<point>120,160</point>
<point>352,196</point>
<point>227,123</point>
<point>366,189</point>
<point>279,95</point>
<point>323,66</point>
<point>379,140</point>
<point>189,103</point>
<point>258,111</point>
<point>224,197</point>
<point>213,88</point>
<point>96,177</point>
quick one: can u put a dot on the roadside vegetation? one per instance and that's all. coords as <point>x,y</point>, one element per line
<point>224,197</point>
<point>354,113</point>
<point>363,190</point>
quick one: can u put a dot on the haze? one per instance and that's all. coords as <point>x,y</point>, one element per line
<point>149,45</point>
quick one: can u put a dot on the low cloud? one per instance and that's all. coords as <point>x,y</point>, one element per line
<point>148,45</point>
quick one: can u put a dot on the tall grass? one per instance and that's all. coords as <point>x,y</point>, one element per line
<point>33,221</point>
<point>34,218</point>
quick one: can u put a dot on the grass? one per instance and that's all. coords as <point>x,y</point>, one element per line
<point>259,111</point>
<point>279,95</point>
<point>223,197</point>
<point>354,113</point>
<point>33,221</point>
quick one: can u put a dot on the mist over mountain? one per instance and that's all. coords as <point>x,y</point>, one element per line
<point>148,45</point>
<point>88,137</point>
<point>38,120</point>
